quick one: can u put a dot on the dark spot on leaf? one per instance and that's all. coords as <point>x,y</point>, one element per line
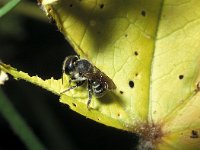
<point>70,5</point>
<point>136,74</point>
<point>118,114</point>
<point>101,6</point>
<point>98,119</point>
<point>143,13</point>
<point>181,77</point>
<point>136,53</point>
<point>194,134</point>
<point>74,104</point>
<point>126,35</point>
<point>131,84</point>
<point>121,92</point>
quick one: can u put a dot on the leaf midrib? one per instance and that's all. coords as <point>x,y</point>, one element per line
<point>150,119</point>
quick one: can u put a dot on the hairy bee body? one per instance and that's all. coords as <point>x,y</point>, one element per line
<point>81,71</point>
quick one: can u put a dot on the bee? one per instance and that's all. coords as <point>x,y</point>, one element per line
<point>81,71</point>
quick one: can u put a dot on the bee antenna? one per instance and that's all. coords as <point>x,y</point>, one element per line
<point>63,68</point>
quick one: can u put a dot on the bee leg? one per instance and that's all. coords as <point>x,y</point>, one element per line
<point>73,87</point>
<point>63,67</point>
<point>89,94</point>
<point>70,81</point>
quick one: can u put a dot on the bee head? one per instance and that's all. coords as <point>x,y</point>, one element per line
<point>69,64</point>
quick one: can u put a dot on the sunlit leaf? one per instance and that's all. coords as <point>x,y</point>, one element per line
<point>76,99</point>
<point>120,43</point>
<point>152,45</point>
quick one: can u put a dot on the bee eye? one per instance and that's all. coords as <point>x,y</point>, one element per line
<point>70,64</point>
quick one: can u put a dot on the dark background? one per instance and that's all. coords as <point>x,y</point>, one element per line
<point>37,47</point>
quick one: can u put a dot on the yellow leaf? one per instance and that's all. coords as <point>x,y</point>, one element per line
<point>121,44</point>
<point>152,45</point>
<point>77,99</point>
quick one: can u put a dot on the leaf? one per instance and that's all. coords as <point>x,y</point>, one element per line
<point>152,45</point>
<point>75,99</point>
<point>151,50</point>
<point>105,37</point>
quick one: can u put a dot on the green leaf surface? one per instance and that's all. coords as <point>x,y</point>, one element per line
<point>151,50</point>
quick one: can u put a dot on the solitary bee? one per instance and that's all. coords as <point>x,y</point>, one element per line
<point>81,71</point>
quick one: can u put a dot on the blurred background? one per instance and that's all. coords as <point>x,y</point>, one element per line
<point>29,42</point>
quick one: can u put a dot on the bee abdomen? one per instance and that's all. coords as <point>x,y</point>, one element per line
<point>98,89</point>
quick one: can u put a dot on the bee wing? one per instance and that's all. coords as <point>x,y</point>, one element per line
<point>91,76</point>
<point>98,75</point>
<point>109,81</point>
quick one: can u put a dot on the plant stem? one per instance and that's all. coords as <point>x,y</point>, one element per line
<point>8,7</point>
